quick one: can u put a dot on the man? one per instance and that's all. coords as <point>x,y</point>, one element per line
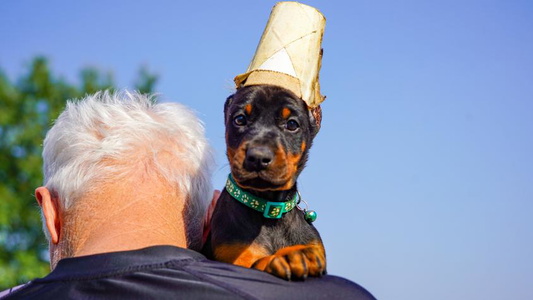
<point>126,184</point>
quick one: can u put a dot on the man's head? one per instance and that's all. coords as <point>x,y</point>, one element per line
<point>119,166</point>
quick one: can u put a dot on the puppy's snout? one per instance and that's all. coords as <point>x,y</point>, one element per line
<point>258,158</point>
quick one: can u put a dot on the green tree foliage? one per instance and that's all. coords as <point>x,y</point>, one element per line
<point>27,109</point>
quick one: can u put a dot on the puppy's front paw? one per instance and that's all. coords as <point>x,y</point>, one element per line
<point>295,262</point>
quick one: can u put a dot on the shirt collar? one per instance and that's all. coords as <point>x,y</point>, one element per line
<point>99,264</point>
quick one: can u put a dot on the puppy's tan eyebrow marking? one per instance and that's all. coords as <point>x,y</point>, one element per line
<point>285,113</point>
<point>248,109</point>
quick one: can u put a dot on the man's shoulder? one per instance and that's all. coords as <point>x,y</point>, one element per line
<point>164,272</point>
<point>7,292</point>
<point>265,286</point>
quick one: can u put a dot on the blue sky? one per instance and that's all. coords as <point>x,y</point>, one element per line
<point>422,174</point>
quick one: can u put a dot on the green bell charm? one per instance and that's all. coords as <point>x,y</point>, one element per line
<point>310,216</point>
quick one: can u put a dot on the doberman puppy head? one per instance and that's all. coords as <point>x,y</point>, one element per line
<point>269,131</point>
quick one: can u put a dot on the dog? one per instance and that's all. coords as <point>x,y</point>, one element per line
<point>269,131</point>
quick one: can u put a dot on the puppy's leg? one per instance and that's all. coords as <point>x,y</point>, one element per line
<point>240,254</point>
<point>295,262</point>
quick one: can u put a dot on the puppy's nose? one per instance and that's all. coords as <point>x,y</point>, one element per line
<point>258,158</point>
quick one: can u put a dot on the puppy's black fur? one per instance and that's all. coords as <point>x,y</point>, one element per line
<point>268,133</point>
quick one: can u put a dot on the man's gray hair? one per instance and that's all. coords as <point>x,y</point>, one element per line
<point>106,136</point>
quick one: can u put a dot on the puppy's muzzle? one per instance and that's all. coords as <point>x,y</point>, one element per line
<point>258,158</point>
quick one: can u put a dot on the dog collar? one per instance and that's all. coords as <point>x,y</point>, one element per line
<point>270,209</point>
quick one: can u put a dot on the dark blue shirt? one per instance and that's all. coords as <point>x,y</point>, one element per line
<point>167,272</point>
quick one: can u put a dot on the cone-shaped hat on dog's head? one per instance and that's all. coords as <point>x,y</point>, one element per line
<point>289,53</point>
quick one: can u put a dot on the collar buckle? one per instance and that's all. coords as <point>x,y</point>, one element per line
<point>274,210</point>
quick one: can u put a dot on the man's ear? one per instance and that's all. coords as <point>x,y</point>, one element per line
<point>50,208</point>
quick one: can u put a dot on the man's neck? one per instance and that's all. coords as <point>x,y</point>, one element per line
<point>141,221</point>
<point>110,240</point>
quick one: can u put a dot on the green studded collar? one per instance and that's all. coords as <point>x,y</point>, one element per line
<point>270,210</point>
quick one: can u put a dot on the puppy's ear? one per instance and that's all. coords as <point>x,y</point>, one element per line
<point>315,116</point>
<point>228,102</point>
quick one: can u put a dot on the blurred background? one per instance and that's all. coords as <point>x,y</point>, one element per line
<point>422,174</point>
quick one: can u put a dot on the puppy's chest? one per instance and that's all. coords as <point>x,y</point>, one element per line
<point>291,229</point>
<point>242,221</point>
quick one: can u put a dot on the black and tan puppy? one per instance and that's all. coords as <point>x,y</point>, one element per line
<point>256,222</point>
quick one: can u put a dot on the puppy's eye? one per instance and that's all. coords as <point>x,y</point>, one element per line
<point>240,120</point>
<point>292,125</point>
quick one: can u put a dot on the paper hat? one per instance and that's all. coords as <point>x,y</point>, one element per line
<point>289,53</point>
